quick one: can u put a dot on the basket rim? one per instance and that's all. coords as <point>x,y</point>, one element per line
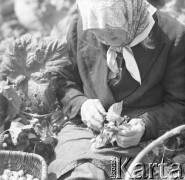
<point>44,169</point>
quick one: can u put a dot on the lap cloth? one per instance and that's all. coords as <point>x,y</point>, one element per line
<point>86,171</point>
<point>73,150</point>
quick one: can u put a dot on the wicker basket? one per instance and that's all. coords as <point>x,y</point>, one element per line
<point>31,163</point>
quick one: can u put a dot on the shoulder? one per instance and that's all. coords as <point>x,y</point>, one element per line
<point>72,31</point>
<point>169,26</point>
<point>75,30</point>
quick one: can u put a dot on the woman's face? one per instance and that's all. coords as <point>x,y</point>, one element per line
<point>112,37</point>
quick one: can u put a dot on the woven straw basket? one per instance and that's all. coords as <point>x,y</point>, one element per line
<point>30,163</point>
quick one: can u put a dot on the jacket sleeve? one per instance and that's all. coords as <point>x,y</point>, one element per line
<point>70,91</point>
<point>171,112</point>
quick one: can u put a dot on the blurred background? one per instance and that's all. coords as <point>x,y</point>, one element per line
<point>52,17</point>
<point>37,17</point>
<point>28,63</point>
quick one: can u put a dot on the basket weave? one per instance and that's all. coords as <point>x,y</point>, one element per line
<point>30,163</point>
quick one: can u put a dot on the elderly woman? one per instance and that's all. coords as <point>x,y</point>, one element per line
<point>119,51</point>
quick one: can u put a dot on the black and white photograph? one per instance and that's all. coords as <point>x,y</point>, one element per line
<point>92,89</point>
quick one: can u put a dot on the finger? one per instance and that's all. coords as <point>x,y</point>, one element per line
<point>91,112</point>
<point>100,107</point>
<point>115,129</point>
<point>127,132</point>
<point>97,116</point>
<point>140,127</point>
<point>126,145</point>
<point>135,138</point>
<point>94,111</point>
<point>130,130</point>
<point>93,108</point>
<point>125,126</point>
<point>96,125</point>
<point>133,121</point>
<point>91,121</point>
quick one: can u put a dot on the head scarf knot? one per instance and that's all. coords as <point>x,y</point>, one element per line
<point>132,16</point>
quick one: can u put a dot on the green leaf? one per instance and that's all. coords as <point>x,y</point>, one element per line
<point>114,112</point>
<point>31,65</point>
<point>156,151</point>
<point>14,101</point>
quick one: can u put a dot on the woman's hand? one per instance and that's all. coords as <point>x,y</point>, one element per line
<point>131,136</point>
<point>92,114</point>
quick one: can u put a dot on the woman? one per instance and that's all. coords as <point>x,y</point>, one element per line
<point>120,51</point>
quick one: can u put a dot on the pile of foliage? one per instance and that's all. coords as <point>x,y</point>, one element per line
<point>30,114</point>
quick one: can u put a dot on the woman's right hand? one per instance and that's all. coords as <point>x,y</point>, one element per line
<point>92,114</point>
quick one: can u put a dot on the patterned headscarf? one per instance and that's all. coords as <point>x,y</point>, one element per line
<point>132,16</point>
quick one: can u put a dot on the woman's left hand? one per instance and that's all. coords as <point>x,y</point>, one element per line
<point>132,135</point>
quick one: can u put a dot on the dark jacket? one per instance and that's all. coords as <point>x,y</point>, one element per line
<point>162,90</point>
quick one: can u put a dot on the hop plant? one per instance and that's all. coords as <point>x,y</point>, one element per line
<point>30,65</point>
<point>114,123</point>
